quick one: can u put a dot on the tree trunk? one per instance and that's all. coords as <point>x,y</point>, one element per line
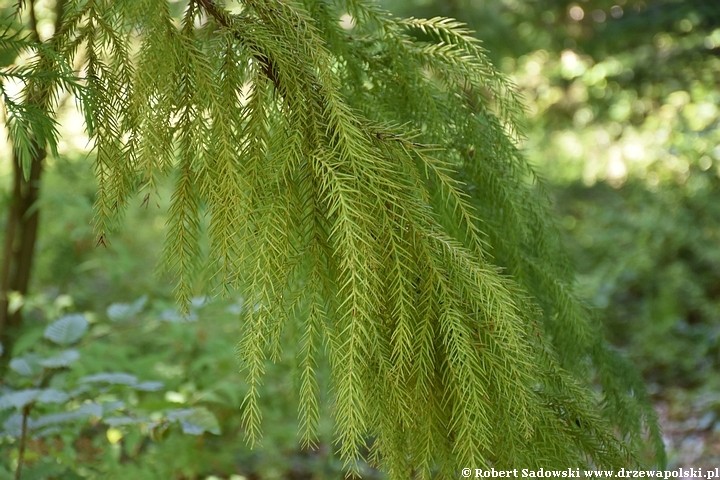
<point>22,224</point>
<point>18,249</point>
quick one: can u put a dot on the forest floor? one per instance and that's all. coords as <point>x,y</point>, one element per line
<point>691,428</point>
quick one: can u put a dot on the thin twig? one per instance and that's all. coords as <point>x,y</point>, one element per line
<point>23,437</point>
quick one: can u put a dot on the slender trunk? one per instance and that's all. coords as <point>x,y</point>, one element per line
<point>29,215</point>
<point>22,224</point>
<point>18,249</point>
<point>8,250</point>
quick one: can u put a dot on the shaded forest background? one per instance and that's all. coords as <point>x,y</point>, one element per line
<point>622,121</point>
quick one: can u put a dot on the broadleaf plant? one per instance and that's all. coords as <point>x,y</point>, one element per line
<point>358,183</point>
<point>31,409</point>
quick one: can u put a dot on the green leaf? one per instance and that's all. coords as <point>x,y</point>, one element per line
<point>123,311</point>
<point>175,415</point>
<point>19,398</point>
<point>114,378</point>
<point>62,360</point>
<point>124,420</point>
<point>52,395</point>
<point>149,386</point>
<point>108,407</point>
<point>67,330</point>
<point>27,365</point>
<point>12,425</point>
<point>196,421</point>
<point>85,411</point>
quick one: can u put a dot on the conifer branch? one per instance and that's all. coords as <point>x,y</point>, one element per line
<point>378,205</point>
<point>227,21</point>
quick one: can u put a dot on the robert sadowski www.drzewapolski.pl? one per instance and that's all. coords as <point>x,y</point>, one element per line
<point>708,474</point>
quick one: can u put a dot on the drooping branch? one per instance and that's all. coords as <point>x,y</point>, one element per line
<point>227,21</point>
<point>330,215</point>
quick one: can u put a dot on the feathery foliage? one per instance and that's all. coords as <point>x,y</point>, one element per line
<point>362,187</point>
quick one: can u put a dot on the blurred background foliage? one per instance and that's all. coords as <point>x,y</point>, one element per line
<point>623,104</point>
